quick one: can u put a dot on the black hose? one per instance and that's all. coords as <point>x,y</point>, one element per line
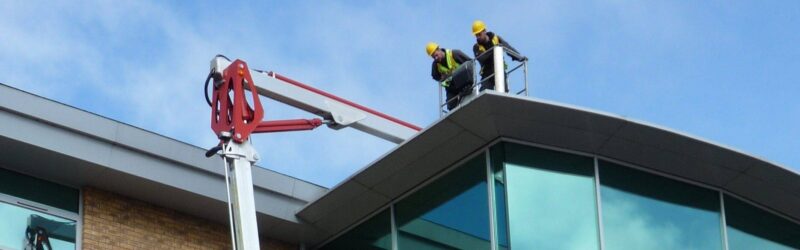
<point>211,75</point>
<point>205,89</point>
<point>213,151</point>
<point>223,56</point>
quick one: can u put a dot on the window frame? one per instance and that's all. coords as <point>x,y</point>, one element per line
<point>39,207</point>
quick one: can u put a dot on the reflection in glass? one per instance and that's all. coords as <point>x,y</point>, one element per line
<point>450,213</point>
<point>21,228</point>
<point>645,211</point>
<point>374,233</point>
<point>498,156</point>
<point>753,228</point>
<point>551,199</point>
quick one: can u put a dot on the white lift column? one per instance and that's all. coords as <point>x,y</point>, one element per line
<point>239,160</point>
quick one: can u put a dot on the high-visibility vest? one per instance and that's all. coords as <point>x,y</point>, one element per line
<point>451,66</point>
<point>495,42</point>
<point>481,49</point>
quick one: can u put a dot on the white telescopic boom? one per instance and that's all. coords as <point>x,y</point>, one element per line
<point>240,157</point>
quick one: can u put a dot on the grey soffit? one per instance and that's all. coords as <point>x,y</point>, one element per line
<point>56,142</point>
<point>491,116</point>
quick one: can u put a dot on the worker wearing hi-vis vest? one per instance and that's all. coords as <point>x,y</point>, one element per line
<point>445,62</point>
<point>485,40</point>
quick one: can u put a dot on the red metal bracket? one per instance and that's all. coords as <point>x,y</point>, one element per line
<point>233,113</point>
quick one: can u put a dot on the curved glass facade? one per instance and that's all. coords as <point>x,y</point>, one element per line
<point>374,234</point>
<point>550,199</point>
<point>646,211</point>
<point>752,228</point>
<point>451,213</point>
<point>547,199</point>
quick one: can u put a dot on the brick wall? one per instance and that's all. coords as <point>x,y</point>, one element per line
<point>113,221</point>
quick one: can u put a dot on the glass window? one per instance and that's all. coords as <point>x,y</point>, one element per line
<point>551,199</point>
<point>450,213</point>
<point>645,211</point>
<point>22,228</point>
<point>753,228</point>
<point>375,233</point>
<point>38,190</point>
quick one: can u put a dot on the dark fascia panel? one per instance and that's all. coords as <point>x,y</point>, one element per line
<point>56,142</point>
<point>492,116</point>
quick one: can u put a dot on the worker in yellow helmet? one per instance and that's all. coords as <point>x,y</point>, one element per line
<point>485,40</point>
<point>445,62</point>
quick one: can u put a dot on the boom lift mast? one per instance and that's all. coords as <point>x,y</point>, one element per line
<point>234,118</point>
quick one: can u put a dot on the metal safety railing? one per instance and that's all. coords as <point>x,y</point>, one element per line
<point>500,80</point>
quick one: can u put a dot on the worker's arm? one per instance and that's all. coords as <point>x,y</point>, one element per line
<point>435,73</point>
<point>508,47</point>
<point>485,60</point>
<point>460,57</point>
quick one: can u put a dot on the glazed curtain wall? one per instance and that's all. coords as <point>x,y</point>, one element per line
<point>551,202</point>
<point>547,199</point>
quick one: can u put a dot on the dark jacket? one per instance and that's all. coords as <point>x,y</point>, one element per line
<point>487,61</point>
<point>460,58</point>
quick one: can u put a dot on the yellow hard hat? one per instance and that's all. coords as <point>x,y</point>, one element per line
<point>431,47</point>
<point>478,26</point>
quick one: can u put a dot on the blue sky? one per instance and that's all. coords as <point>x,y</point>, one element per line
<point>725,71</point>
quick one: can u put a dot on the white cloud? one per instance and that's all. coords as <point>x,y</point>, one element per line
<point>628,226</point>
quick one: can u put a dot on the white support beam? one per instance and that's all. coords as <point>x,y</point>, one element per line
<point>499,70</point>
